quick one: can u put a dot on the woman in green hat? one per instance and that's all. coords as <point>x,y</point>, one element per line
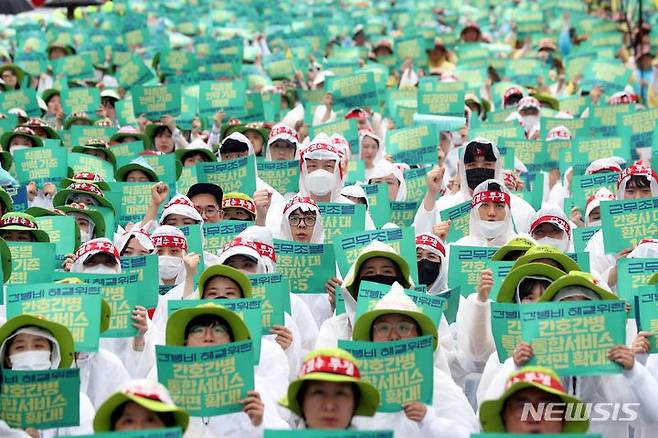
<point>20,138</point>
<point>12,75</point>
<point>21,227</point>
<point>138,170</point>
<point>77,119</point>
<point>97,147</point>
<point>329,392</point>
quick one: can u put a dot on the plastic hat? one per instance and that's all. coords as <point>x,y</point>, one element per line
<point>622,98</point>
<point>527,103</point>
<point>550,215</point>
<point>128,131</point>
<point>559,133</point>
<point>515,244</point>
<point>178,321</point>
<point>82,188</point>
<point>109,93</point>
<point>94,216</point>
<point>577,278</point>
<point>239,200</point>
<point>5,255</point>
<point>93,247</point>
<point>541,378</point>
<point>228,272</point>
<point>136,164</point>
<point>86,177</point>
<point>602,194</point>
<point>395,302</point>
<point>180,204</point>
<point>146,393</point>
<point>20,131</point>
<point>61,334</point>
<point>23,222</point>
<point>283,132</point>
<point>507,292</point>
<point>548,252</point>
<point>332,365</point>
<point>376,249</point>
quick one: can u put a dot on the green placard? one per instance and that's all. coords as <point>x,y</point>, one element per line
<point>314,433</point>
<point>31,262</point>
<point>632,275</point>
<point>460,215</point>
<point>187,179</point>
<point>402,371</point>
<point>81,100</point>
<point>215,236</point>
<point>283,176</point>
<point>81,134</point>
<point>499,270</point>
<point>232,176</point>
<point>25,99</point>
<point>227,96</point>
<point>75,66</point>
<point>379,205</point>
<point>589,149</point>
<point>272,290</point>
<point>133,72</point>
<point>146,269</point>
<point>77,307</point>
<point>403,213</point>
<point>637,128</point>
<point>611,74</point>
<point>353,90</point>
<point>544,435</point>
<point>346,127</point>
<point>174,432</point>
<point>573,338</point>
<point>308,266</point>
<point>207,381</point>
<point>129,150</point>
<point>339,219</point>
<point>416,180</point>
<point>40,164</point>
<point>530,152</point>
<point>626,222</point>
<point>356,173</point>
<point>646,314</point>
<point>61,230</point>
<point>177,62</point>
<point>79,162</point>
<point>156,101</point>
<point>581,236</point>
<point>465,265</point>
<point>413,145</point>
<point>449,104</point>
<point>135,199</point>
<point>584,186</point>
<point>41,399</point>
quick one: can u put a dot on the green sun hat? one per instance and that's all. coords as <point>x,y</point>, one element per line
<point>242,128</point>
<point>552,102</point>
<point>577,278</point>
<point>20,131</point>
<point>77,117</point>
<point>182,154</point>
<point>540,378</point>
<point>48,94</point>
<point>548,252</point>
<point>228,272</point>
<point>6,160</point>
<point>36,123</point>
<point>119,136</point>
<point>332,365</point>
<point>147,394</point>
<point>18,72</point>
<point>97,144</point>
<point>94,216</point>
<point>376,249</point>
<point>15,221</point>
<point>398,303</point>
<point>515,244</point>
<point>68,49</point>
<point>82,188</point>
<point>58,331</point>
<point>178,321</point>
<point>149,135</point>
<point>136,164</point>
<point>6,201</point>
<point>85,177</point>
<point>507,291</point>
<point>5,254</point>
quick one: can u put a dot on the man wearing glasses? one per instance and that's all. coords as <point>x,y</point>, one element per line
<point>207,199</point>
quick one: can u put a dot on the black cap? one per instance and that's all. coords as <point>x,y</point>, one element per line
<point>475,148</point>
<point>211,189</point>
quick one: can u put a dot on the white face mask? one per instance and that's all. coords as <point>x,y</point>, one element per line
<point>84,236</point>
<point>41,200</point>
<point>531,123</point>
<point>99,269</point>
<point>594,223</point>
<point>34,360</point>
<point>492,229</point>
<point>561,244</point>
<point>320,182</point>
<point>457,139</point>
<point>169,266</point>
<point>18,147</point>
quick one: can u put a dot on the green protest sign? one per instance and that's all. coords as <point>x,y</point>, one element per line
<point>62,231</point>
<point>40,164</point>
<point>544,435</point>
<point>411,47</point>
<point>573,338</point>
<point>155,101</point>
<point>283,176</point>
<point>174,432</point>
<point>400,370</point>
<point>164,165</point>
<point>226,96</point>
<point>187,179</point>
<point>31,262</point>
<point>626,222</point>
<point>316,433</point>
<point>379,205</point>
<point>77,307</point>
<point>81,134</point>
<point>348,246</point>
<point>174,62</point>
<point>403,213</point>
<point>465,265</point>
<point>496,131</point>
<point>215,236</point>
<point>416,180</point>
<point>81,100</point>
<point>134,201</point>
<point>128,150</point>
<point>460,215</point>
<point>646,314</point>
<point>232,176</point>
<point>25,99</point>
<point>581,236</point>
<point>449,104</point>
<point>345,127</point>
<point>146,269</point>
<point>637,128</point>
<point>280,69</point>
<point>308,266</point>
<point>272,290</point>
<point>525,70</point>
<point>356,172</point>
<point>584,186</point>
<point>632,275</point>
<point>133,72</point>
<point>75,66</point>
<point>500,270</point>
<point>530,152</point>
<point>417,144</point>
<point>207,381</point>
<point>353,90</point>
<point>610,74</point>
<point>194,237</point>
<point>79,162</point>
<point>339,218</point>
<point>589,149</point>
<point>41,399</point>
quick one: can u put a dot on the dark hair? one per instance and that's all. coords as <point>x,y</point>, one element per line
<point>302,393</point>
<point>494,187</point>
<point>160,130</point>
<point>281,143</point>
<point>512,256</point>
<point>638,181</point>
<point>527,285</point>
<point>207,321</point>
<point>167,418</point>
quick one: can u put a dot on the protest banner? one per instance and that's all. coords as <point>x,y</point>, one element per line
<point>272,290</point>
<point>460,215</point>
<point>637,128</point>
<point>283,176</point>
<point>62,230</point>
<point>225,96</point>
<point>584,186</point>
<point>609,74</point>
<point>31,262</point>
<point>346,127</point>
<point>339,219</point>
<point>80,162</point>
<point>450,104</point>
<point>216,235</point>
<point>416,180</point>
<point>499,269</point>
<point>352,90</point>
<point>81,100</point>
<point>40,165</point>
<point>413,145</point>
<point>626,222</point>
<point>146,268</point>
<point>232,176</point>
<point>465,265</point>
<point>308,266</point>
<point>581,235</point>
<point>646,314</point>
<point>134,201</point>
<point>403,213</point>
<point>80,134</point>
<point>632,275</point>
<point>74,66</point>
<point>133,72</point>
<point>25,99</point>
<point>155,101</point>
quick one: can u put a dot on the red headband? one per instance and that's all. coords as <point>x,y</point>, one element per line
<point>556,220</point>
<point>331,365</point>
<point>481,197</point>
<point>239,203</point>
<point>299,200</point>
<point>180,200</point>
<point>636,169</point>
<point>100,246</point>
<point>18,220</point>
<point>426,239</point>
<point>169,241</point>
<point>84,187</point>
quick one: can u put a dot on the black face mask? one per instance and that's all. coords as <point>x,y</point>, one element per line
<point>478,175</point>
<point>428,271</point>
<point>381,279</point>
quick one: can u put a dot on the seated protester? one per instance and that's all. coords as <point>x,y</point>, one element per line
<point>139,405</point>
<point>208,200</point>
<point>207,325</point>
<point>282,144</point>
<point>481,162</point>
<point>21,137</point>
<point>83,193</point>
<point>98,148</point>
<point>138,170</point>
<point>513,249</point>
<point>134,243</point>
<point>634,385</point>
<point>550,226</point>
<point>90,222</point>
<point>329,392</point>
<point>238,207</point>
<point>32,343</point>
<point>21,227</point>
<point>491,219</point>
<point>387,173</point>
<point>97,256</point>
<point>397,317</point>
<point>171,246</point>
<point>593,206</point>
<point>537,386</point>
<point>635,182</point>
<point>160,138</point>
<point>432,263</point>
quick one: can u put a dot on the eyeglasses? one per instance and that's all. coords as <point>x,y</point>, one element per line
<point>403,328</point>
<point>295,221</point>
<point>199,331</point>
<point>210,211</point>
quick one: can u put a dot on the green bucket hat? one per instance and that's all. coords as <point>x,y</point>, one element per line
<point>332,365</point>
<point>18,72</point>
<point>77,117</point>
<point>541,378</point>
<point>48,94</point>
<point>119,136</point>
<point>82,188</point>
<point>36,123</point>
<point>577,278</point>
<point>94,216</point>
<point>552,102</point>
<point>181,154</point>
<point>6,201</point>
<point>15,221</point>
<point>85,177</point>
<point>537,252</point>
<point>6,160</point>
<point>97,144</point>
<point>507,291</point>
<point>398,303</point>
<point>58,331</point>
<point>228,272</point>
<point>178,321</point>
<point>68,49</point>
<point>149,135</point>
<point>5,254</point>
<point>515,244</point>
<point>136,164</point>
<point>20,131</point>
<point>376,249</point>
<point>147,394</point>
